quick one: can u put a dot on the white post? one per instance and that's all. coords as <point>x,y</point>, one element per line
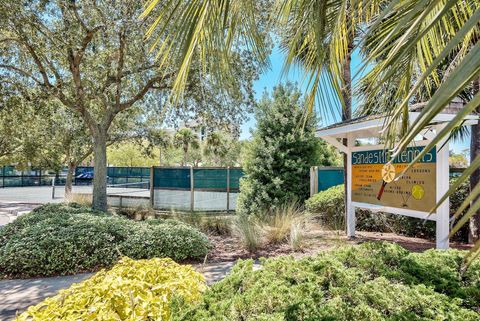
<point>350,208</point>
<point>443,211</point>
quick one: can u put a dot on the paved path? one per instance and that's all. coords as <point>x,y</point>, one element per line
<point>9,211</point>
<point>17,295</point>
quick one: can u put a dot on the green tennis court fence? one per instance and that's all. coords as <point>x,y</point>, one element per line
<point>195,188</point>
<point>204,178</point>
<point>115,175</point>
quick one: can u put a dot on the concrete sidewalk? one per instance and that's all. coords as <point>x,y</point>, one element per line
<point>18,295</point>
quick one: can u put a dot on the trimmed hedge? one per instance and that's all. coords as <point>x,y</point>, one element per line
<point>131,290</point>
<point>66,239</point>
<point>368,282</point>
<point>328,207</point>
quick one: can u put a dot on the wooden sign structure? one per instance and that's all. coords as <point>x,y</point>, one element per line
<point>373,180</point>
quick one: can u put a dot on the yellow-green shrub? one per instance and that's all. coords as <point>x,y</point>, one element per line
<point>131,290</point>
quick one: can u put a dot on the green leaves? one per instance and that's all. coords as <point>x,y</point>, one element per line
<point>279,158</point>
<point>370,281</point>
<point>439,40</point>
<point>207,31</point>
<point>61,239</point>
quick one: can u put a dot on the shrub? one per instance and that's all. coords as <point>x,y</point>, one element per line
<point>372,281</point>
<point>328,207</point>
<point>131,290</point>
<point>61,239</point>
<point>278,160</point>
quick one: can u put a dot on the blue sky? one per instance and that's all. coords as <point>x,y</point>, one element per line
<point>273,77</point>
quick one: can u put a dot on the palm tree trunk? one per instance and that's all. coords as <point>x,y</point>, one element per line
<point>185,155</point>
<point>347,110</point>
<point>474,233</point>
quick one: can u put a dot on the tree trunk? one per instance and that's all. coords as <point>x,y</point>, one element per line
<point>69,180</point>
<point>346,111</point>
<point>100,171</point>
<point>185,156</point>
<point>474,233</point>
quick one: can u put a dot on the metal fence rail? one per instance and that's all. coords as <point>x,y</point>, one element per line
<point>11,177</point>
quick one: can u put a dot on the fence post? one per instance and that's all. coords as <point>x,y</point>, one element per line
<point>152,189</point>
<point>192,190</point>
<point>53,187</point>
<point>228,189</point>
<point>313,180</point>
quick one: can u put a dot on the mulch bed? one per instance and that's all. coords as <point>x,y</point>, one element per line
<point>230,247</point>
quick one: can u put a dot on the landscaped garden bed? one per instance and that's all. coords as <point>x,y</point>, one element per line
<point>66,239</point>
<point>371,281</point>
<point>131,290</point>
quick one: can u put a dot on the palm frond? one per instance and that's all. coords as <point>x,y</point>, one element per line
<point>206,30</point>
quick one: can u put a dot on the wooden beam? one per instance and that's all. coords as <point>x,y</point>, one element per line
<point>333,141</point>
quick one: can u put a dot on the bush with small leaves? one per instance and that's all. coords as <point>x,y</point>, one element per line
<point>61,239</point>
<point>368,282</point>
<point>131,290</point>
<point>328,207</point>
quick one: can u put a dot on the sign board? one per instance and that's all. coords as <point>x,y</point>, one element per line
<point>374,181</point>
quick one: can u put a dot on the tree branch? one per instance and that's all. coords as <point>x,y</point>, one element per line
<point>74,7</point>
<point>141,93</point>
<point>85,42</point>
<point>120,65</point>
<point>22,72</point>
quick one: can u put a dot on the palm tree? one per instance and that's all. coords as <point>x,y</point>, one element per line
<point>186,139</point>
<point>430,30</point>
<point>320,35</point>
<point>216,146</point>
<point>161,139</point>
<point>430,51</point>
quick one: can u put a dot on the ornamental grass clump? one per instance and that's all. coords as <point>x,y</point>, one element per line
<point>131,290</point>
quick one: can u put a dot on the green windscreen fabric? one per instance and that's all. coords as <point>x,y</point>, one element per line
<point>171,178</point>
<point>235,175</point>
<point>209,178</point>
<point>120,175</point>
<point>203,178</point>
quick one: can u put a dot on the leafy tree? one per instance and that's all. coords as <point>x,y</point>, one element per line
<point>129,153</point>
<point>91,56</point>
<point>283,149</point>
<point>457,160</point>
<point>46,135</point>
<point>216,146</point>
<point>158,138</point>
<point>187,140</point>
